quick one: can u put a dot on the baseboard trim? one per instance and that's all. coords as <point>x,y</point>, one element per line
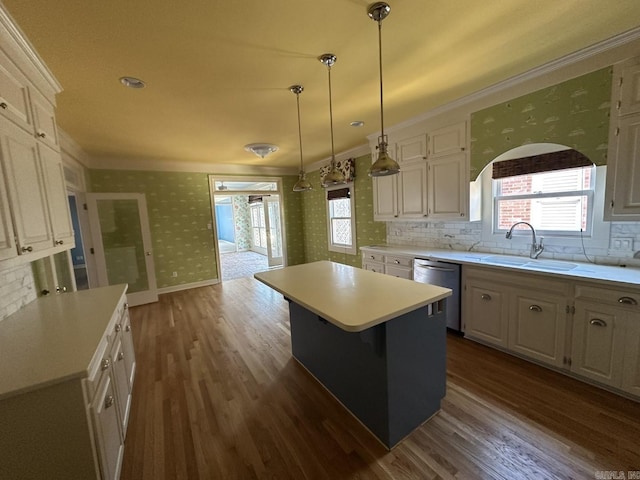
<point>188,286</point>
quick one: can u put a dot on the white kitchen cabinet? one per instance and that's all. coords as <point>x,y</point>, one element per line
<point>7,240</point>
<point>631,361</point>
<point>44,119</point>
<point>432,184</point>
<point>537,325</point>
<point>66,418</point>
<point>448,140</point>
<point>14,94</point>
<point>486,312</point>
<point>396,265</point>
<point>53,174</point>
<point>622,195</point>
<point>26,190</point>
<point>448,187</point>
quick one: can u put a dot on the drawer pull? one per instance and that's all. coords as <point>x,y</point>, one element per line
<point>42,135</point>
<point>108,402</point>
<point>127,328</point>
<point>126,305</point>
<point>27,249</point>
<point>397,262</point>
<point>598,322</point>
<point>121,356</point>
<point>3,105</point>
<point>106,363</point>
<point>485,296</point>
<point>535,308</point>
<point>59,242</point>
<point>118,327</point>
<point>628,301</point>
<point>372,257</point>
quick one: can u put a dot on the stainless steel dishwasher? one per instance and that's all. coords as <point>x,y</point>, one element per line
<point>442,274</point>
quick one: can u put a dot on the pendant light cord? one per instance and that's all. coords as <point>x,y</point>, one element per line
<point>333,154</point>
<point>380,65</point>
<point>299,131</point>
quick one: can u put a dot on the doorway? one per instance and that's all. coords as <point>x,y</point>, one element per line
<point>249,230</point>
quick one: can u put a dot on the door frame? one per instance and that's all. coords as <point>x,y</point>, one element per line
<point>248,178</point>
<point>133,298</point>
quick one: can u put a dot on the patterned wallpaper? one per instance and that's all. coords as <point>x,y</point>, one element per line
<point>293,214</point>
<point>179,208</point>
<point>368,232</point>
<point>573,113</point>
<point>242,219</point>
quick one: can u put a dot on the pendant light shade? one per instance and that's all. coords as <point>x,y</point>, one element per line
<point>334,177</point>
<point>384,165</point>
<point>302,185</point>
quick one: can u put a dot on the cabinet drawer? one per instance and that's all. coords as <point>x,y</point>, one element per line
<point>399,261</point>
<point>400,272</point>
<point>373,267</point>
<point>372,257</point>
<point>621,298</point>
<point>97,368</point>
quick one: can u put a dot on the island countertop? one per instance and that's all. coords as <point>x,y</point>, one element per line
<point>350,298</point>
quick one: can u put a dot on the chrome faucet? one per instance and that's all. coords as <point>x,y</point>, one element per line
<point>536,249</point>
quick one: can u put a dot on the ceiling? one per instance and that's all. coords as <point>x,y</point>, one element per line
<point>218,73</point>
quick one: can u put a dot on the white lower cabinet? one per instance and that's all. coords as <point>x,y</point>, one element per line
<point>106,423</point>
<point>487,312</point>
<point>395,265</point>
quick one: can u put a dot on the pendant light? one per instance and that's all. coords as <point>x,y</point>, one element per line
<point>384,165</point>
<point>334,177</point>
<point>302,185</point>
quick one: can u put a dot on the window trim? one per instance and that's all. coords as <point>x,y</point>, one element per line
<point>335,247</point>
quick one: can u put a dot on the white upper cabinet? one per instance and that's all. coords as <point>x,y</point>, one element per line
<point>412,149</point>
<point>14,95</point>
<point>448,187</point>
<point>385,198</point>
<point>7,242</point>
<point>413,190</point>
<point>622,196</point>
<point>448,140</point>
<point>25,186</point>
<point>44,120</point>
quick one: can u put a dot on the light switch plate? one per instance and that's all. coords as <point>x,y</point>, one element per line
<point>622,244</point>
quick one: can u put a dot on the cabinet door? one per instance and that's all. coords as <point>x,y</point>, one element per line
<point>14,96</point>
<point>486,312</point>
<point>385,192</point>
<point>537,326</point>
<point>25,185</point>
<point>107,429</point>
<point>53,173</point>
<point>447,141</point>
<point>626,171</point>
<point>412,149</point>
<point>448,187</point>
<point>630,90</point>
<point>413,190</point>
<point>373,267</point>
<point>44,119</point>
<point>122,389</point>
<point>598,342</point>
<point>127,347</point>
<point>631,363</point>
<point>7,241</point>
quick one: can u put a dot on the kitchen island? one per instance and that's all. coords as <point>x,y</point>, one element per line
<point>376,343</point>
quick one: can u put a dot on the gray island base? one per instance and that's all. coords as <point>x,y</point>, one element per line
<point>391,377</point>
<point>377,343</point>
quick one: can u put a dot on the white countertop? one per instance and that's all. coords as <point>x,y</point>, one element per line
<point>349,297</point>
<point>54,338</point>
<point>611,275</point>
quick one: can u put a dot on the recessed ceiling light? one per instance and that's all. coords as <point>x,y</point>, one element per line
<point>132,82</point>
<point>357,123</point>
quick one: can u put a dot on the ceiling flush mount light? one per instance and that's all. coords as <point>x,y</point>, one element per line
<point>334,177</point>
<point>357,123</point>
<point>261,149</point>
<point>302,185</point>
<point>132,82</point>
<point>384,165</point>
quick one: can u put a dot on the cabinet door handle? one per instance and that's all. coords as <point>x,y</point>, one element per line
<point>59,242</point>
<point>3,105</point>
<point>42,134</point>
<point>118,327</point>
<point>628,301</point>
<point>106,363</point>
<point>485,296</point>
<point>108,402</point>
<point>127,328</point>
<point>126,305</point>
<point>598,322</point>
<point>372,257</point>
<point>397,262</point>
<point>535,308</point>
<point>121,356</point>
<point>27,249</point>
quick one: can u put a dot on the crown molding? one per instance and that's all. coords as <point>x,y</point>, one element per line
<point>149,164</point>
<point>13,31</point>
<point>354,152</point>
<point>599,48</point>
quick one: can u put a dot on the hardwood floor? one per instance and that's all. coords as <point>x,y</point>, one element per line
<point>218,396</point>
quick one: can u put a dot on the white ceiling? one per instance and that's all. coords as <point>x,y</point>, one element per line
<point>218,73</point>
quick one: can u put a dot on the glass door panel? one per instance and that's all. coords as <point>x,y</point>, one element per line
<point>274,227</point>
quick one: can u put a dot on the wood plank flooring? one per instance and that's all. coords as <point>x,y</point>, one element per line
<point>218,396</point>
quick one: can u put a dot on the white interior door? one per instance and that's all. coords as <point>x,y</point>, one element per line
<point>122,244</point>
<point>273,224</point>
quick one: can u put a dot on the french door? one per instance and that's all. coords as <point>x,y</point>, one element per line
<point>122,244</point>
<point>273,225</point>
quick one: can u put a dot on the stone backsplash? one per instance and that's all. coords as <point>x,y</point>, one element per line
<point>17,289</point>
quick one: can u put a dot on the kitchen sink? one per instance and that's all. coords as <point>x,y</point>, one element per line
<point>534,264</point>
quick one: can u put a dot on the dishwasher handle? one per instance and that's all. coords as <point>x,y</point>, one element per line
<point>431,267</point>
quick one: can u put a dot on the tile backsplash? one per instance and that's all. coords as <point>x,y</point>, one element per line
<point>17,289</point>
<point>624,241</point>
